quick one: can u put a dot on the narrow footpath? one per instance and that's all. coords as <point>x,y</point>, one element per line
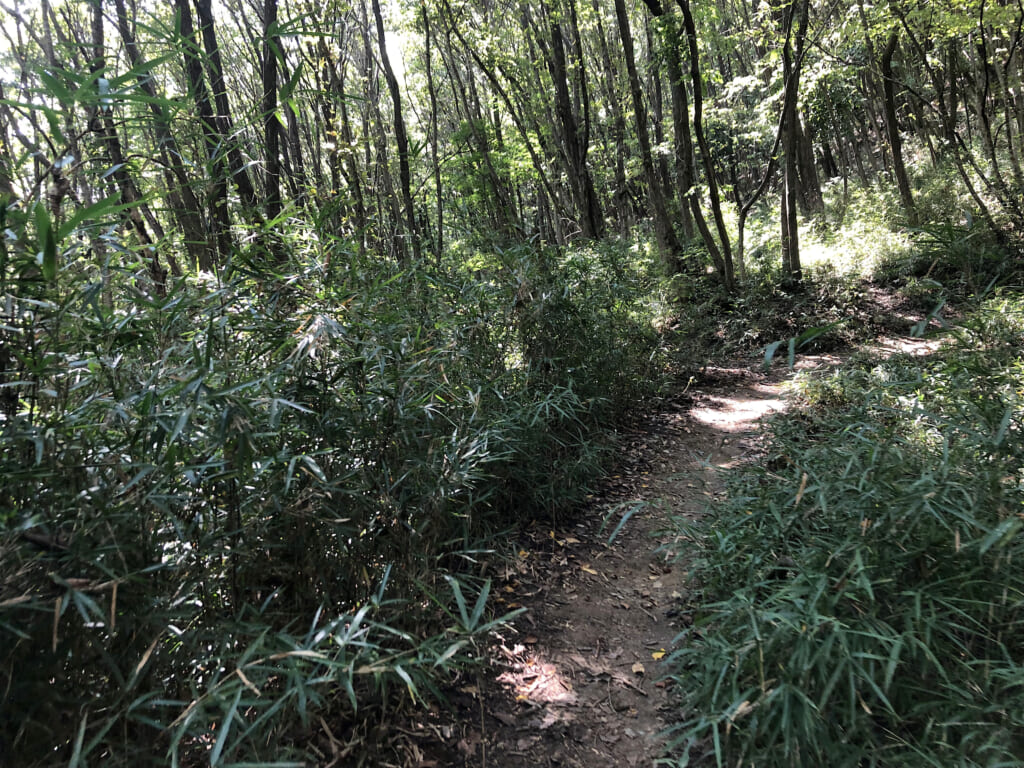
<point>576,681</point>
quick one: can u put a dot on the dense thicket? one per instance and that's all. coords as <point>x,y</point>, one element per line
<point>862,602</point>
<point>302,303</point>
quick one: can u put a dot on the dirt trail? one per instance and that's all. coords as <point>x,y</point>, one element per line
<point>575,682</point>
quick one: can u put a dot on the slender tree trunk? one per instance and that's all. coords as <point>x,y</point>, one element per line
<point>668,243</point>
<point>792,55</point>
<point>514,114</point>
<point>658,113</point>
<point>218,199</point>
<point>298,181</point>
<point>103,124</point>
<point>810,185</point>
<point>347,161</point>
<point>892,128</point>
<point>239,170</point>
<point>574,137</point>
<point>683,139</point>
<point>723,257</point>
<point>179,186</point>
<point>271,124</point>
<point>1010,199</point>
<point>435,163</point>
<point>401,138</point>
<point>620,197</point>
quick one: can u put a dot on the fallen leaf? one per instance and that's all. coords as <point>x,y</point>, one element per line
<point>658,655</point>
<point>588,569</point>
<point>638,668</point>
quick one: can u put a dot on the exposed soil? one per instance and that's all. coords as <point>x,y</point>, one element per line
<point>576,680</point>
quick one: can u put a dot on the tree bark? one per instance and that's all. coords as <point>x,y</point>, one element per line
<point>271,124</point>
<point>401,138</point>
<point>218,199</point>
<point>792,59</point>
<point>239,171</point>
<point>573,133</point>
<point>892,129</point>
<point>723,257</point>
<point>668,243</point>
<point>138,214</point>
<point>435,163</point>
<point>179,186</point>
<point>619,195</point>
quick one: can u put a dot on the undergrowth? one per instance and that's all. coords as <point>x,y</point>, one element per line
<point>259,500</point>
<point>862,596</point>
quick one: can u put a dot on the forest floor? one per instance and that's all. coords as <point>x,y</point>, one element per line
<point>576,680</point>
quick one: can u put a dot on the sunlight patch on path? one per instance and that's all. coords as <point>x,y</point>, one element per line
<point>740,412</point>
<point>536,680</point>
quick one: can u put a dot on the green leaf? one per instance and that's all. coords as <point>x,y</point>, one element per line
<point>56,88</point>
<point>481,604</point>
<point>460,601</point>
<point>449,652</point>
<point>408,681</point>
<point>1001,534</point>
<point>108,206</point>
<point>47,242</point>
<point>76,755</point>
<point>225,729</point>
<point>770,350</point>
<point>289,87</point>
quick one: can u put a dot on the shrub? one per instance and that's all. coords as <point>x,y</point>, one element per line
<point>863,601</point>
<point>233,508</point>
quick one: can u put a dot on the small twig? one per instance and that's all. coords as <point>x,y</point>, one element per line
<point>483,730</point>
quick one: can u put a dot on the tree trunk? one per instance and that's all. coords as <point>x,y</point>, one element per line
<point>573,134</point>
<point>620,197</point>
<point>892,129</point>
<point>432,92</point>
<point>792,55</point>
<point>401,138</point>
<point>810,185</point>
<point>138,212</point>
<point>514,114</point>
<point>218,199</point>
<point>723,257</point>
<point>187,212</point>
<point>239,170</point>
<point>668,243</point>
<point>271,124</point>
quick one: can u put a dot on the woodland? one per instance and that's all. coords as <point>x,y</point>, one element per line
<point>308,308</point>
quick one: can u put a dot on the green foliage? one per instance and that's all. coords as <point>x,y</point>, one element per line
<point>863,600</point>
<point>963,257</point>
<point>252,502</point>
<point>859,233</point>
